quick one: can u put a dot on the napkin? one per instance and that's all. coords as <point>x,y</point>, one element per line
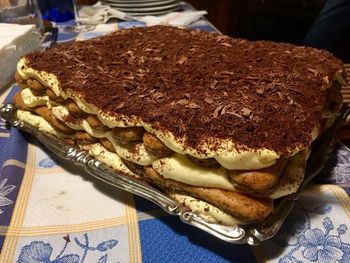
<point>99,13</point>
<point>174,18</point>
<point>15,41</point>
<point>99,30</point>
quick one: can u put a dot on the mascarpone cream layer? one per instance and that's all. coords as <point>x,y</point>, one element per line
<point>136,154</point>
<point>33,101</point>
<point>40,123</point>
<point>108,158</point>
<point>206,211</point>
<point>227,154</point>
<point>293,175</point>
<point>179,168</point>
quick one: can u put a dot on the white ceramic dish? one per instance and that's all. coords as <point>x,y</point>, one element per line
<point>146,9</point>
<point>139,4</point>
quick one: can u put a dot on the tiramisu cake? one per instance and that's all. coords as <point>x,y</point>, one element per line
<point>223,126</point>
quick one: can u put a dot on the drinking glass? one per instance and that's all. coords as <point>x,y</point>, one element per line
<point>64,12</point>
<point>78,26</point>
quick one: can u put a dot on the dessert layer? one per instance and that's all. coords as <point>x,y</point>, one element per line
<point>187,88</point>
<point>206,209</point>
<point>178,167</point>
<point>227,154</point>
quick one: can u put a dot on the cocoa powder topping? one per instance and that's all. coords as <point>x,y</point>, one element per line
<point>197,84</point>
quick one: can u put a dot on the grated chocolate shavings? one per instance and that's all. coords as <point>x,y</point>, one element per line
<point>197,84</point>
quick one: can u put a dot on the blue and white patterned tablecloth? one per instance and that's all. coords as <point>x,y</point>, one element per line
<point>51,212</point>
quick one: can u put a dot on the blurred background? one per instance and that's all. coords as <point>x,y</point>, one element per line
<point>278,20</point>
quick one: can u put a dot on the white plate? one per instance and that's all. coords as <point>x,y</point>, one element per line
<point>140,4</point>
<point>146,9</point>
<point>153,13</point>
<point>134,1</point>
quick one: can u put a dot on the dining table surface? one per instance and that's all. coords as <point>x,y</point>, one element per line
<point>53,211</point>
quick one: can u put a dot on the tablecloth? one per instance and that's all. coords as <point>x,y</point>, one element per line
<point>51,211</point>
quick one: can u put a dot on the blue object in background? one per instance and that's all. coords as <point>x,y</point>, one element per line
<point>57,10</point>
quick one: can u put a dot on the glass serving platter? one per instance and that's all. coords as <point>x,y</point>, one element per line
<point>251,234</point>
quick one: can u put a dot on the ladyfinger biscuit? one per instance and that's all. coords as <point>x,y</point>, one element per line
<point>134,167</point>
<point>21,82</point>
<point>258,180</point>
<point>74,109</point>
<point>128,134</point>
<point>95,123</point>
<point>46,113</point>
<point>18,78</point>
<point>155,146</point>
<point>107,144</point>
<point>209,162</point>
<point>84,138</point>
<point>53,96</point>
<point>35,85</point>
<point>242,206</point>
<point>18,101</point>
<point>38,92</point>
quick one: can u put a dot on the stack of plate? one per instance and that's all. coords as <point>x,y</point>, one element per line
<point>144,7</point>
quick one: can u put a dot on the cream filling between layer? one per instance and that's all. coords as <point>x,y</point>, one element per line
<point>106,157</point>
<point>177,167</point>
<point>292,176</point>
<point>206,211</point>
<point>32,101</point>
<point>40,123</point>
<point>137,154</point>
<point>181,169</point>
<point>228,156</point>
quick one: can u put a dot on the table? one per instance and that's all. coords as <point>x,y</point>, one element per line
<point>53,212</point>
